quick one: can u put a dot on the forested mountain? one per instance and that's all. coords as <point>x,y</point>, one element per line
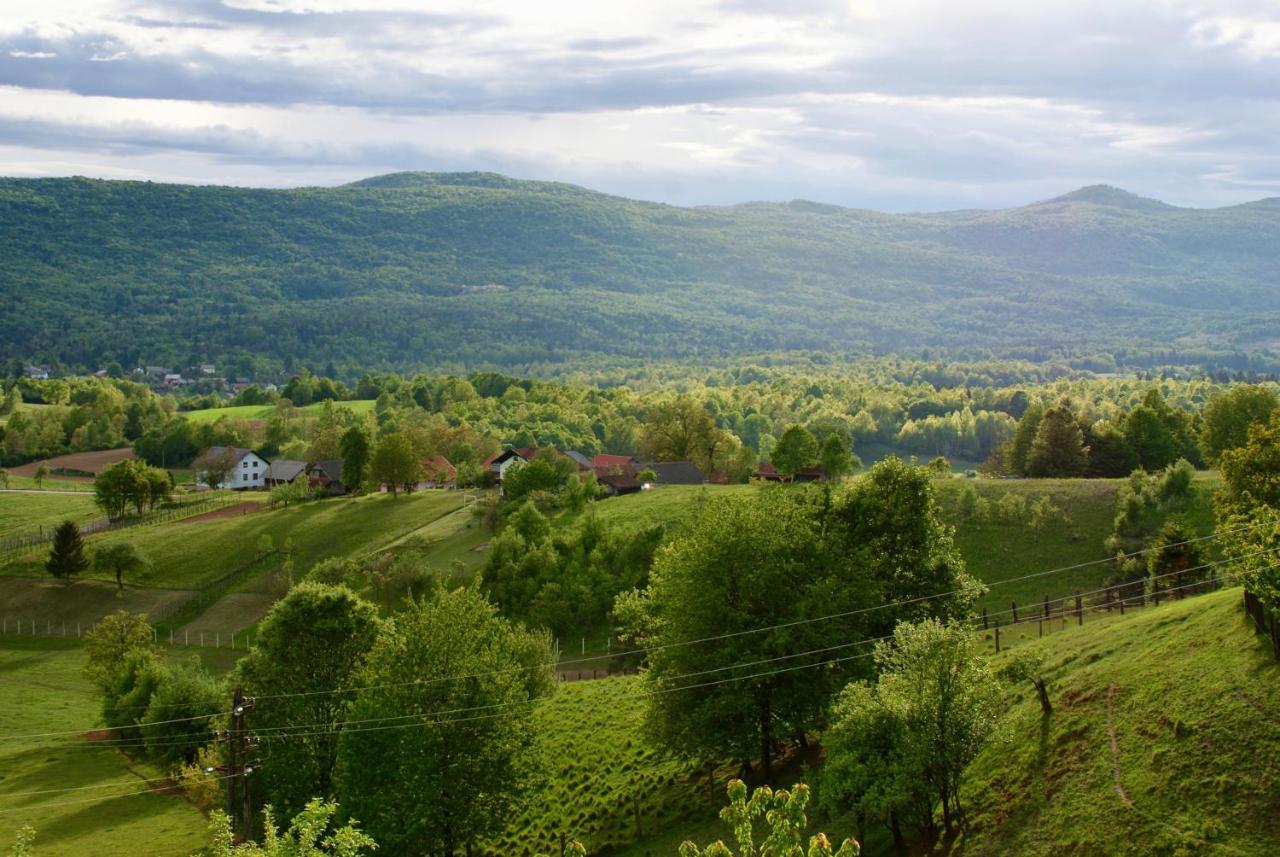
<point>416,270</point>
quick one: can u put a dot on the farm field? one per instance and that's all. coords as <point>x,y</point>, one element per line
<point>263,412</point>
<point>89,462</point>
<point>113,809</point>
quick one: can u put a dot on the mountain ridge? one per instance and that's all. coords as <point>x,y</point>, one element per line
<point>421,270</point>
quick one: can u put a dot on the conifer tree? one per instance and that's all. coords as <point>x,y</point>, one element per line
<point>66,557</point>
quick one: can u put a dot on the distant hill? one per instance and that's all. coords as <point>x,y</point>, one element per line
<point>414,270</point>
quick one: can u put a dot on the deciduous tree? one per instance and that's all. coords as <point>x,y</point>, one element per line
<point>795,450</point>
<point>119,558</point>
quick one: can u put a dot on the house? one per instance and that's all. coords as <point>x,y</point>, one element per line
<point>207,369</point>
<point>155,371</point>
<point>284,471</point>
<point>618,483</point>
<point>674,472</point>
<point>248,469</point>
<point>767,472</point>
<point>500,462</point>
<point>437,472</point>
<point>36,373</point>
<point>325,477</point>
<point>172,378</point>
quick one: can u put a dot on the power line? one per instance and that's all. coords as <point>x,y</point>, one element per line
<point>136,743</point>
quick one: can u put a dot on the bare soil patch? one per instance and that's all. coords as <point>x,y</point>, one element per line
<point>235,511</point>
<point>90,462</point>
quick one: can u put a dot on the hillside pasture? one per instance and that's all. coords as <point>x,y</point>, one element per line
<point>28,512</point>
<point>113,811</point>
<point>53,605</point>
<point>1192,698</point>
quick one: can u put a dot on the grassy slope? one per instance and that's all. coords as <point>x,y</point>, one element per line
<point>189,555</point>
<point>41,690</point>
<point>22,513</point>
<point>262,412</point>
<point>1197,723</point>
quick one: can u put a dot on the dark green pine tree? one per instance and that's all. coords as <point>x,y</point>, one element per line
<point>66,557</point>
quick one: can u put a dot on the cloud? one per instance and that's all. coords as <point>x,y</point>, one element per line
<point>915,103</point>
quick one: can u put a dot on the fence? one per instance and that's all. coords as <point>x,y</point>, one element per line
<point>1072,609</point>
<point>15,546</point>
<point>162,635</point>
<point>1265,620</point>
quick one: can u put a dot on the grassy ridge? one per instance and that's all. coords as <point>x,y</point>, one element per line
<point>42,690</point>
<point>263,412</point>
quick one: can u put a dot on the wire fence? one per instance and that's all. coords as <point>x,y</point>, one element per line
<point>165,635</point>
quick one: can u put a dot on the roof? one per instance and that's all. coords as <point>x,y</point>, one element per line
<point>330,467</point>
<point>525,453</point>
<point>237,452</point>
<point>766,470</point>
<point>438,468</point>
<point>606,460</point>
<point>674,472</point>
<point>578,458</point>
<point>619,482</point>
<point>285,470</point>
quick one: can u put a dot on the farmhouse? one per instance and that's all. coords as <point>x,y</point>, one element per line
<point>437,472</point>
<point>248,469</point>
<point>499,463</point>
<point>325,477</point>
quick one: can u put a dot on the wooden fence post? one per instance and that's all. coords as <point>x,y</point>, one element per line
<point>1122,600</point>
<point>1079,608</point>
<point>1155,592</point>
<point>997,636</point>
<point>1275,635</point>
<point>984,618</point>
<point>1013,607</point>
<point>1108,599</point>
<point>1046,605</point>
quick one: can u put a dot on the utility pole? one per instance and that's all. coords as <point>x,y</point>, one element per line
<point>238,768</point>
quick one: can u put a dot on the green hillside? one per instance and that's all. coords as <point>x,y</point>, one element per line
<point>1194,706</point>
<point>413,270</point>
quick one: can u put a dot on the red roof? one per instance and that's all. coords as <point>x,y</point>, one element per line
<point>438,469</point>
<point>606,460</point>
<point>527,452</point>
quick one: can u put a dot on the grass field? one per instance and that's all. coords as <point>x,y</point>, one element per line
<point>25,513</point>
<point>1196,714</point>
<point>113,813</point>
<point>189,555</point>
<point>263,412</point>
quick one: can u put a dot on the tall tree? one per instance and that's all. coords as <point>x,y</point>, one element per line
<point>1024,436</point>
<point>1229,415</point>
<point>1058,448</point>
<point>933,708</point>
<point>66,556</point>
<point>784,558</point>
<point>796,450</point>
<point>110,640</point>
<point>213,468</point>
<point>119,558</point>
<point>395,463</point>
<point>1150,438</point>
<point>836,457</point>
<point>441,780</point>
<point>1252,472</point>
<point>1176,561</point>
<point>355,445</point>
<point>312,643</point>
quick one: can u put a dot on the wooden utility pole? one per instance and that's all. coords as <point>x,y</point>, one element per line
<point>238,768</point>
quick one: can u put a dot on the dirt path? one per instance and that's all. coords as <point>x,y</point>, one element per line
<point>1115,749</point>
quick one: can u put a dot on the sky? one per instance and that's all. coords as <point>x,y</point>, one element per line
<point>901,105</point>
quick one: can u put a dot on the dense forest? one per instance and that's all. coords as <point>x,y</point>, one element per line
<point>455,272</point>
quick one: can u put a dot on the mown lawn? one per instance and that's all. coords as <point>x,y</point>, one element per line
<point>113,813</point>
<point>262,412</point>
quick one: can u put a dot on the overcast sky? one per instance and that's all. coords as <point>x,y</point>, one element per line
<point>895,104</point>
